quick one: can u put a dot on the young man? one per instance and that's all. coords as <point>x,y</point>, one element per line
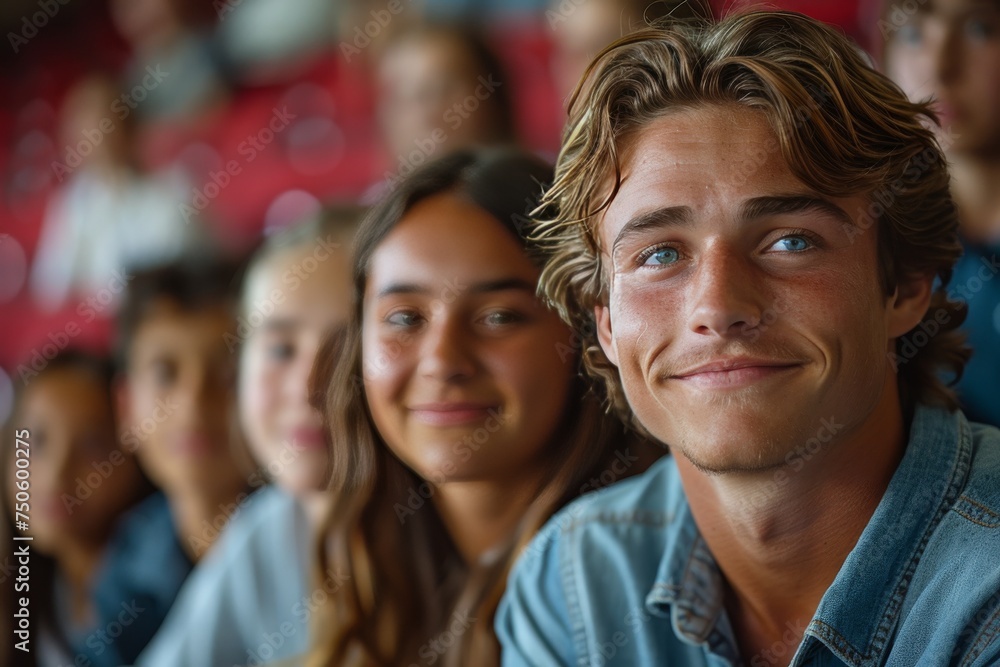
<point>747,219</point>
<point>176,397</point>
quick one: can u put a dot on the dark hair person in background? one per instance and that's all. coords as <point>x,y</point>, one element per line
<point>581,30</point>
<point>176,404</point>
<point>461,419</point>
<point>440,89</point>
<point>80,481</point>
<point>296,292</point>
<point>720,236</point>
<point>948,52</point>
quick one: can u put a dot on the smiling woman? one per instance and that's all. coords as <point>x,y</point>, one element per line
<point>463,422</point>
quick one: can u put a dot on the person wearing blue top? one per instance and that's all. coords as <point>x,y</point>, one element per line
<point>252,599</point>
<point>948,51</point>
<point>746,221</point>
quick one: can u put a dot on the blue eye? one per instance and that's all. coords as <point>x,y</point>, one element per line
<point>792,244</point>
<point>661,257</point>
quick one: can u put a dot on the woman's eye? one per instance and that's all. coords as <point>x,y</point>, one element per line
<point>280,351</point>
<point>403,318</point>
<point>909,34</point>
<point>502,317</point>
<point>792,244</point>
<point>164,373</point>
<point>660,257</point>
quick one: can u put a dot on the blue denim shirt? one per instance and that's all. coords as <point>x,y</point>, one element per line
<point>623,577</point>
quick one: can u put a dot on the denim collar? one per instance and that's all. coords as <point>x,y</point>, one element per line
<point>857,615</point>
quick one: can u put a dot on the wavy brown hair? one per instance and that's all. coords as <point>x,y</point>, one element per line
<point>405,580</point>
<point>843,128</point>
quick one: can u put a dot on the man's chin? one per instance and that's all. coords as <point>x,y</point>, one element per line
<point>720,452</point>
<point>715,464</point>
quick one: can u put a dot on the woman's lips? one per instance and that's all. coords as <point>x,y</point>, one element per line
<point>451,414</point>
<point>309,437</point>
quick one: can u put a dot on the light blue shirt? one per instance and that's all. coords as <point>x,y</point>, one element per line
<point>248,602</point>
<point>623,577</point>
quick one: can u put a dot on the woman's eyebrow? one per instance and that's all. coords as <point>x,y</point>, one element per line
<point>503,284</point>
<point>456,285</point>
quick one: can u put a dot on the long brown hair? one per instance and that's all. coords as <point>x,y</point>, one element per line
<point>406,584</point>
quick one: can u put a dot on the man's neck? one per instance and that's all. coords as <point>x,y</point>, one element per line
<point>781,536</point>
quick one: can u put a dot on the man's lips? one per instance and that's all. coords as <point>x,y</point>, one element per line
<point>734,372</point>
<point>451,413</point>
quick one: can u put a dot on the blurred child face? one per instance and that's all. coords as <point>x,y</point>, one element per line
<point>285,433</point>
<point>950,50</point>
<point>421,80</point>
<point>80,480</point>
<point>462,366</point>
<point>585,30</point>
<point>179,400</point>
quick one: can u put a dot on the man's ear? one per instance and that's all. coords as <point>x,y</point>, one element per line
<point>602,316</point>
<point>908,305</point>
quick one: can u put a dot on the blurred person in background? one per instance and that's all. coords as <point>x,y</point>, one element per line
<point>440,89</point>
<point>460,418</point>
<point>176,403</point>
<point>581,29</point>
<point>80,482</point>
<point>174,62</point>
<point>948,51</point>
<point>107,216</point>
<point>296,295</point>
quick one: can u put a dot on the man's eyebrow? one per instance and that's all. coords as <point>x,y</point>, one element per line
<point>763,207</point>
<point>498,285</point>
<point>669,216</point>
